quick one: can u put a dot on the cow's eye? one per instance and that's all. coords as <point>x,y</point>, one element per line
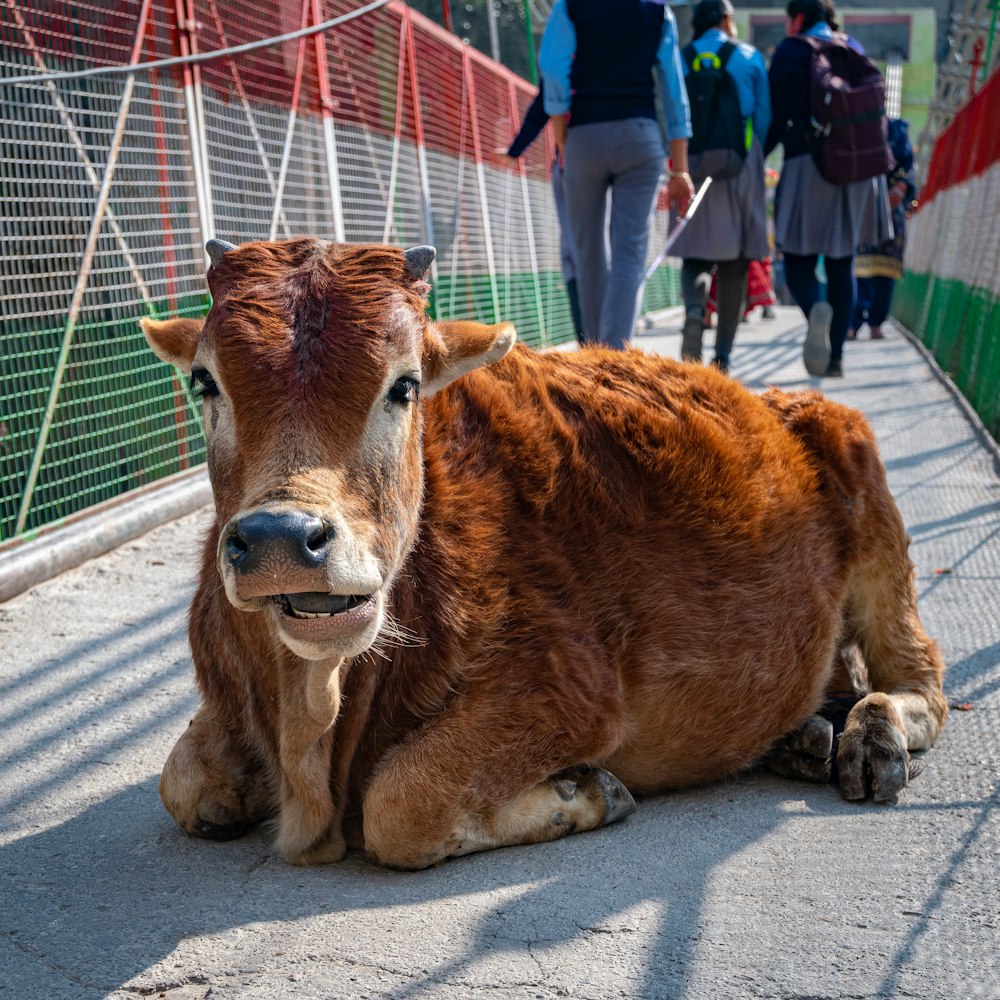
<point>202,384</point>
<point>405,390</point>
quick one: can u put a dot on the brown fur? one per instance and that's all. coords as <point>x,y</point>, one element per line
<point>596,558</point>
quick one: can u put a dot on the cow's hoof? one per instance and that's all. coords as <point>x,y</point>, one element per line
<point>216,814</point>
<point>873,757</point>
<point>209,787</point>
<point>328,852</point>
<point>217,820</point>
<point>806,754</point>
<point>213,811</point>
<point>599,787</point>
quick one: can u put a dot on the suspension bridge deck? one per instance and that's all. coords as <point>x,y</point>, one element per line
<point>758,887</point>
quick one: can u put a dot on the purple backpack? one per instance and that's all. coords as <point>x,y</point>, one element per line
<point>849,134</point>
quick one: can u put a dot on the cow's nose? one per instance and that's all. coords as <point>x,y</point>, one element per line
<point>288,536</point>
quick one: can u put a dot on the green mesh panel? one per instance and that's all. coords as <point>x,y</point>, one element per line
<point>961,327</point>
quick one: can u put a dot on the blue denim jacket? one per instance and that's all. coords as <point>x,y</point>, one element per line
<point>555,59</point>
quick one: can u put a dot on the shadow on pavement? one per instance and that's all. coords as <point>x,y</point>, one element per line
<point>112,891</point>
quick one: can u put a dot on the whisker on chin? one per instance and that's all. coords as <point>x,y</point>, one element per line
<point>394,633</point>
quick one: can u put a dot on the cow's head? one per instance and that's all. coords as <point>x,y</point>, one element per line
<point>310,366</point>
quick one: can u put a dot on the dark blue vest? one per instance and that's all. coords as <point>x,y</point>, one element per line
<point>616,45</point>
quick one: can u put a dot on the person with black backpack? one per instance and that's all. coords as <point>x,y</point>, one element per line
<point>730,102</point>
<point>828,104</point>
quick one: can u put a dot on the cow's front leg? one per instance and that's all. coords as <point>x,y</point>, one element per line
<point>210,786</point>
<point>401,832</point>
<point>309,821</point>
<point>577,799</point>
<point>501,766</point>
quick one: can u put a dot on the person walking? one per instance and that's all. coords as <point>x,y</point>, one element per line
<point>878,268</point>
<point>813,215</point>
<point>535,119</point>
<point>598,62</point>
<point>726,79</point>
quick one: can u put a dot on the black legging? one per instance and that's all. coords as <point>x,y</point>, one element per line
<point>696,280</point>
<point>800,273</point>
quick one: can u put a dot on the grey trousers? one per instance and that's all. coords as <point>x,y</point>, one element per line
<point>621,161</point>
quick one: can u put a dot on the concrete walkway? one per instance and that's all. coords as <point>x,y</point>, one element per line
<point>759,887</point>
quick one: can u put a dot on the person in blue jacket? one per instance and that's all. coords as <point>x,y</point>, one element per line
<point>730,227</point>
<point>598,61</point>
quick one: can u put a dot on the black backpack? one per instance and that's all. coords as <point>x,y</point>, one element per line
<point>721,135</point>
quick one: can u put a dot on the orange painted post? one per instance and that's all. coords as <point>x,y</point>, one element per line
<point>329,132</point>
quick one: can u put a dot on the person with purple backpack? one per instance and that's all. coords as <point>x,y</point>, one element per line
<point>832,195</point>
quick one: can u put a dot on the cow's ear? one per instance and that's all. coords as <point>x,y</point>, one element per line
<point>173,340</point>
<point>453,348</point>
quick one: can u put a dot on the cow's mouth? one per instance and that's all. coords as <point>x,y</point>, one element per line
<point>315,624</point>
<point>316,604</point>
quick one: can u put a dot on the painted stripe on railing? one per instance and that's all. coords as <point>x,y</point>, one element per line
<point>969,146</point>
<point>956,236</point>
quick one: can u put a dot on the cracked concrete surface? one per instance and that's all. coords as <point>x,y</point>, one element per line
<point>758,887</point>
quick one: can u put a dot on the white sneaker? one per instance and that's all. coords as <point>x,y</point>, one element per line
<point>816,350</point>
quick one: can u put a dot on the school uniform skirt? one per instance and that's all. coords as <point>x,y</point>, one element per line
<point>731,221</point>
<point>812,215</point>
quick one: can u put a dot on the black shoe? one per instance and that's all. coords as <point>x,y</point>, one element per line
<point>835,369</point>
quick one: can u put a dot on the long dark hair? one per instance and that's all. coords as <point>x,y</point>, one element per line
<point>813,11</point>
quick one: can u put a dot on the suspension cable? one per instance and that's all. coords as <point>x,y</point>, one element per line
<point>197,57</point>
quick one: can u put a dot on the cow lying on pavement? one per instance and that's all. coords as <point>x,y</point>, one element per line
<point>473,595</point>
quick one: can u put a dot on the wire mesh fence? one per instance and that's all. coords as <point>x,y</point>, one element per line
<point>383,128</point>
<point>950,295</point>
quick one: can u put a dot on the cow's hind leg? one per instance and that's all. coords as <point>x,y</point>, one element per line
<point>906,708</point>
<point>211,787</point>
<point>807,753</point>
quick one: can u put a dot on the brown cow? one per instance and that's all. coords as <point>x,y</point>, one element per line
<point>463,607</point>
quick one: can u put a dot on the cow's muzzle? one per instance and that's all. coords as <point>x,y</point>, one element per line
<point>270,539</point>
<point>275,550</point>
<point>322,589</point>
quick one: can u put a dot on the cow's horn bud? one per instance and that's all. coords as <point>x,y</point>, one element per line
<point>216,249</point>
<point>418,261</point>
